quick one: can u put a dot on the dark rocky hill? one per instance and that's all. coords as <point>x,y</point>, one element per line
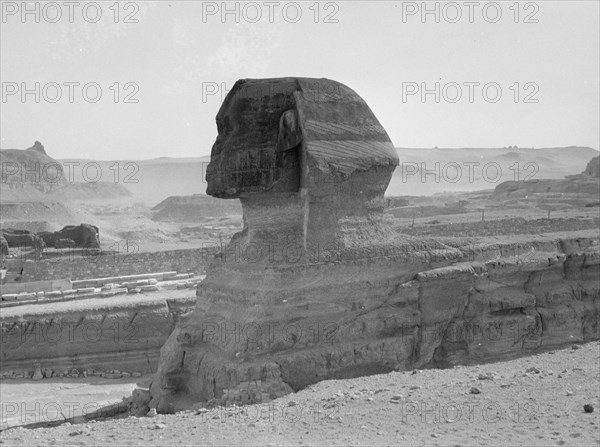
<point>588,182</point>
<point>31,174</point>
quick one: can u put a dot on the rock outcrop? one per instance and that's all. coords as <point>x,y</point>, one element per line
<point>38,147</point>
<point>22,238</point>
<point>83,235</point>
<point>318,286</point>
<point>194,208</point>
<point>588,182</point>
<point>29,173</point>
<point>593,168</point>
<point>97,333</point>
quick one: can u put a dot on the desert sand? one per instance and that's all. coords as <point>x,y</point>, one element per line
<point>537,401</point>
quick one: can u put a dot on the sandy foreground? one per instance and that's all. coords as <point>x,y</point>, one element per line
<point>534,401</point>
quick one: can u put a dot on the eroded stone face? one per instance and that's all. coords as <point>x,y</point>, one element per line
<point>244,157</point>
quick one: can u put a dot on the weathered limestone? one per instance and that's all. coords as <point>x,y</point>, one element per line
<point>593,168</point>
<point>20,238</point>
<point>317,286</point>
<point>98,333</point>
<point>83,235</point>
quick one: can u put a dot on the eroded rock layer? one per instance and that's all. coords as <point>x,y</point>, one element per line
<point>96,334</point>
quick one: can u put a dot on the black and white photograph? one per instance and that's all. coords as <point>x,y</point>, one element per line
<point>300,223</point>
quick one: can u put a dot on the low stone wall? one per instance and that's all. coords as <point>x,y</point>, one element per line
<point>81,267</point>
<point>35,286</point>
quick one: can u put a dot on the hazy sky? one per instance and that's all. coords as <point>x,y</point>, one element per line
<point>173,55</point>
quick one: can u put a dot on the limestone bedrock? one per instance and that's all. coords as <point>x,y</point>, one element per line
<point>318,286</point>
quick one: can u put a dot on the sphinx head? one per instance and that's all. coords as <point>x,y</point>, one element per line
<point>310,144</point>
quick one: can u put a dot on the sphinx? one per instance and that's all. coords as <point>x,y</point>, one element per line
<point>319,285</point>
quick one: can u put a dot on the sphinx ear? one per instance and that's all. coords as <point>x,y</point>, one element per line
<point>289,135</point>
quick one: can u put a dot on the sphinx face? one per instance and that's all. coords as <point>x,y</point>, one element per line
<point>276,133</point>
<point>257,149</point>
